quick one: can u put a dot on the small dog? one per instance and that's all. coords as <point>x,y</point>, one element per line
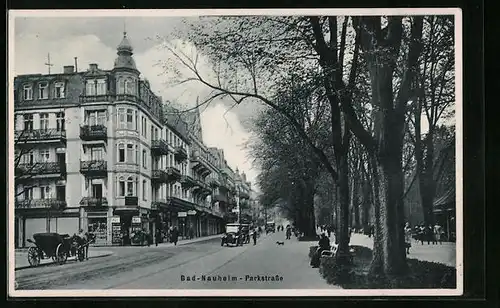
<point>280,243</point>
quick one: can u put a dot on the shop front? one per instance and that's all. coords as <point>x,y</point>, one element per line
<point>131,220</point>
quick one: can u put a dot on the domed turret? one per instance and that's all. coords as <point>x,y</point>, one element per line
<point>125,52</point>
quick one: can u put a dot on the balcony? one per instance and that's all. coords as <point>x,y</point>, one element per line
<point>187,181</point>
<point>158,204</point>
<point>174,174</point>
<point>159,147</point>
<point>93,201</point>
<point>200,166</point>
<point>39,135</point>
<point>214,183</point>
<point>41,204</point>
<point>202,188</point>
<point>94,168</point>
<point>180,153</point>
<point>221,198</point>
<point>93,132</point>
<point>96,98</point>
<point>40,169</point>
<point>160,176</point>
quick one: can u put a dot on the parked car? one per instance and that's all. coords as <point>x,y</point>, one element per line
<point>233,236</point>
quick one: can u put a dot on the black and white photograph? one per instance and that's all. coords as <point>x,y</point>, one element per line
<point>277,152</point>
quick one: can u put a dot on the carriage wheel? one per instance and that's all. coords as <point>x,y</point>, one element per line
<point>61,254</point>
<point>33,256</point>
<point>81,254</point>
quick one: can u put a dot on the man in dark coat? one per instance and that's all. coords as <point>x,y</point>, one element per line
<point>175,235</point>
<point>324,244</point>
<point>254,236</point>
<point>157,236</point>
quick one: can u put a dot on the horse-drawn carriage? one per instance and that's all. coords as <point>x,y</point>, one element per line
<point>58,247</point>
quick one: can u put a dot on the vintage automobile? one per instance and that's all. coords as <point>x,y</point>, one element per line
<point>270,227</point>
<point>233,236</point>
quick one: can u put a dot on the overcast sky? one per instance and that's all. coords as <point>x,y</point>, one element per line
<point>94,40</point>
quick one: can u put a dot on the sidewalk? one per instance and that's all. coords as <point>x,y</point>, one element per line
<point>21,258</point>
<point>444,253</point>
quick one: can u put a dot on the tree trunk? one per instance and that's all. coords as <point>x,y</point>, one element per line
<point>343,189</point>
<point>426,181</point>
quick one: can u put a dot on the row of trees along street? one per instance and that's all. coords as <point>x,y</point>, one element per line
<point>346,100</point>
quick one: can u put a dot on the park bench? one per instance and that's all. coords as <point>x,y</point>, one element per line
<point>334,250</point>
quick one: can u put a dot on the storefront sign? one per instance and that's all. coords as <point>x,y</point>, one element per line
<point>115,220</point>
<point>136,220</point>
<point>182,214</point>
<point>192,212</point>
<point>235,211</point>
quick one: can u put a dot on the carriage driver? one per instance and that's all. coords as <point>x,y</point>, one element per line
<point>81,234</point>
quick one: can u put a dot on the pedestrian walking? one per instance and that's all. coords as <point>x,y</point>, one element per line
<point>157,236</point>
<point>254,236</point>
<point>438,232</point>
<point>407,230</point>
<point>288,232</point>
<point>175,235</point>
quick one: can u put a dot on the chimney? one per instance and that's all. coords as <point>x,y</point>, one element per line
<point>76,64</point>
<point>92,66</point>
<point>69,69</point>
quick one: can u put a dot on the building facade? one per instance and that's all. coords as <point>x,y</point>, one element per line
<point>95,151</point>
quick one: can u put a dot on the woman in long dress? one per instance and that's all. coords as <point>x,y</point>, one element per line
<point>407,237</point>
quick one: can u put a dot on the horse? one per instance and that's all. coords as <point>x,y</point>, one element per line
<point>83,243</point>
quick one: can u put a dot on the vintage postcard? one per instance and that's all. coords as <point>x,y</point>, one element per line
<point>235,152</point>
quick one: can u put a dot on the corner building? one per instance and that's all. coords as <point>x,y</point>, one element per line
<point>94,151</point>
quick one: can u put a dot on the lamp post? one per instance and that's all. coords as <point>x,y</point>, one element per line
<point>238,202</point>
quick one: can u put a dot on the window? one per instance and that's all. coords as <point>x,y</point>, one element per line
<point>59,90</point>
<point>136,121</point>
<point>28,122</point>
<point>121,86</point>
<point>28,158</point>
<point>44,156</point>
<point>45,192</point>
<point>43,92</point>
<point>130,117</point>
<point>97,153</point>
<point>44,121</point>
<point>144,159</point>
<point>27,92</point>
<point>101,87</point>
<point>144,126</point>
<point>171,140</point>
<point>129,86</point>
<point>60,121</point>
<point>101,117</point>
<point>121,153</point>
<point>121,187</point>
<point>130,187</point>
<point>28,193</point>
<point>90,88</point>
<point>144,189</point>
<point>121,118</point>
<point>130,153</point>
<point>137,161</point>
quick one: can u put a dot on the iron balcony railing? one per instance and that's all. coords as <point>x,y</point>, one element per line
<point>174,173</point>
<point>160,176</point>
<point>40,169</point>
<point>93,132</point>
<point>94,167</point>
<point>41,204</point>
<point>159,146</point>
<point>94,201</point>
<point>187,181</point>
<point>31,135</point>
<point>120,97</point>
<point>180,153</point>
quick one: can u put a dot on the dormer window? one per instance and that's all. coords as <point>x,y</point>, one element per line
<point>90,88</point>
<point>43,92</point>
<point>59,90</point>
<point>27,92</point>
<point>101,87</point>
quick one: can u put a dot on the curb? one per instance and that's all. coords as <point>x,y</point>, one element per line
<point>107,254</point>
